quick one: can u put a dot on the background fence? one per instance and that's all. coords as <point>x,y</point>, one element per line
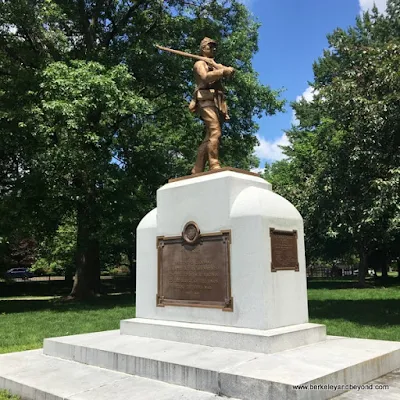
<point>330,272</point>
<point>59,286</point>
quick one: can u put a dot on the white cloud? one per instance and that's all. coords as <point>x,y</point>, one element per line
<point>294,120</point>
<point>308,96</point>
<point>366,5</point>
<point>270,150</point>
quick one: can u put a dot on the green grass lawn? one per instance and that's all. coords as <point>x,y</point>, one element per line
<point>372,313</point>
<point>25,322</point>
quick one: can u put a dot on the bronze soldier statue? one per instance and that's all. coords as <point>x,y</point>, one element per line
<point>209,103</point>
<point>209,100</point>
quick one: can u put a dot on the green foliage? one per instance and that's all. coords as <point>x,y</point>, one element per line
<point>94,119</point>
<point>343,160</point>
<point>116,271</point>
<point>4,395</point>
<point>56,253</point>
<point>17,252</point>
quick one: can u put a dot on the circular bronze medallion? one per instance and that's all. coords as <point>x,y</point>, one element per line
<point>191,233</point>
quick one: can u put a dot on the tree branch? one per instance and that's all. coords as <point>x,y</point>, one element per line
<point>162,109</point>
<point>28,37</point>
<point>16,57</point>
<point>95,15</point>
<point>156,96</point>
<point>124,20</point>
<point>5,73</point>
<point>85,25</point>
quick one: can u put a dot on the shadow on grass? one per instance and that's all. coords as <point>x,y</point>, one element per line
<point>58,287</point>
<point>365,312</point>
<point>334,284</point>
<point>59,305</point>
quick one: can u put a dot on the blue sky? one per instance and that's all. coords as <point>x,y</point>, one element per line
<point>292,36</point>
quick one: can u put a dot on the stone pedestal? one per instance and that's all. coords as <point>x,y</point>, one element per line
<point>245,206</point>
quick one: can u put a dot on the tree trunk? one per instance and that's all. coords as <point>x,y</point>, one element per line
<point>87,275</point>
<point>371,263</point>
<point>93,257</point>
<point>132,270</point>
<point>69,274</point>
<point>384,264</point>
<point>81,287</point>
<point>362,266</point>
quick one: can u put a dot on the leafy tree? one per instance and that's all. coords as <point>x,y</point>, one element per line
<point>94,118</point>
<point>56,253</point>
<point>343,157</point>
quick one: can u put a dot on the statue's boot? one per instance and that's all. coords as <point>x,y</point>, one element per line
<point>201,158</point>
<point>213,150</point>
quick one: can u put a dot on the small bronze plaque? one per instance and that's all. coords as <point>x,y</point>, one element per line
<point>284,250</point>
<point>194,269</point>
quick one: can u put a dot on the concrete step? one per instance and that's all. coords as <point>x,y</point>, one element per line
<point>34,376</point>
<point>386,387</point>
<point>234,373</point>
<point>244,339</point>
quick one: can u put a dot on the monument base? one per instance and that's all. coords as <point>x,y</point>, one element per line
<point>108,365</point>
<point>260,341</point>
<point>209,328</point>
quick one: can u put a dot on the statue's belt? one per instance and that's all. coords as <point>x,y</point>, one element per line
<point>208,94</point>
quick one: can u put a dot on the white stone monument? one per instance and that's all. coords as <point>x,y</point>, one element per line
<point>221,312</point>
<point>269,306</point>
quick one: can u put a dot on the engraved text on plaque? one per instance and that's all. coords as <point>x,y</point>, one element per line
<point>194,273</point>
<point>284,250</point>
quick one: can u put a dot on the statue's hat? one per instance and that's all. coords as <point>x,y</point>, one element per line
<point>207,41</point>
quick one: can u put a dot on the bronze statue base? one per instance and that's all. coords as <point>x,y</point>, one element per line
<point>214,171</point>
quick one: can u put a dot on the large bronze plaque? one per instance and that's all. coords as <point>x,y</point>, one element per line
<point>194,272</point>
<point>284,250</point>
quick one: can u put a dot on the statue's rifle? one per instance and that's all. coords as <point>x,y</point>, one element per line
<point>208,60</point>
